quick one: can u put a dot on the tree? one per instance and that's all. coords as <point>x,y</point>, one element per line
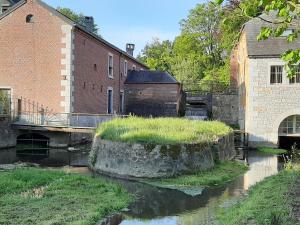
<point>76,17</point>
<point>157,55</point>
<point>203,23</point>
<point>287,11</point>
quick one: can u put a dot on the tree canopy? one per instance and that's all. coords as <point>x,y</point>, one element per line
<point>76,17</point>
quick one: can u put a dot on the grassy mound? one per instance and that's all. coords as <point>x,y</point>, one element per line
<point>274,151</point>
<point>162,130</point>
<point>36,196</point>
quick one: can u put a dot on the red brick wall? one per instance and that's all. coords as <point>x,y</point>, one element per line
<point>90,84</point>
<point>30,55</point>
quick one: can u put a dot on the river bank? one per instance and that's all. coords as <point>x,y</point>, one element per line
<point>273,201</point>
<point>38,196</point>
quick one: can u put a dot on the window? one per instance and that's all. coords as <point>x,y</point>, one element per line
<point>287,32</point>
<point>133,67</point>
<point>4,9</point>
<point>125,68</point>
<point>296,78</point>
<point>276,74</point>
<point>290,125</point>
<point>29,18</point>
<point>95,67</point>
<point>110,66</point>
<point>122,102</point>
<point>5,102</point>
<point>110,102</point>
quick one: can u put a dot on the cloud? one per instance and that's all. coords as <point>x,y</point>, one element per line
<point>136,35</point>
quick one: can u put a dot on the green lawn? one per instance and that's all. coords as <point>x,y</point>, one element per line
<point>162,130</point>
<point>274,151</point>
<point>42,197</point>
<point>268,202</point>
<point>220,174</point>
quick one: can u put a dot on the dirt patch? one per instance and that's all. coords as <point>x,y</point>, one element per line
<point>295,194</point>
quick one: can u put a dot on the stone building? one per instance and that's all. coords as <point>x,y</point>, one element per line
<point>53,62</point>
<point>153,93</point>
<point>268,100</point>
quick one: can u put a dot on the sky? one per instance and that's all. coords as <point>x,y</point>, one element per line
<point>133,21</point>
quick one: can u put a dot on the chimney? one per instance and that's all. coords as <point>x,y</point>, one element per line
<point>130,49</point>
<point>89,23</point>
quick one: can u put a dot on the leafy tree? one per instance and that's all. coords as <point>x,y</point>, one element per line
<point>76,17</point>
<point>287,11</point>
<point>157,55</point>
<point>203,23</point>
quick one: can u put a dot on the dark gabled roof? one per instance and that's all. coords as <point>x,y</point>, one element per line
<point>272,47</point>
<point>149,77</point>
<point>72,23</point>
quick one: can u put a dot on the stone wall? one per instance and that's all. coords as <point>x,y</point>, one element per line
<point>268,105</point>
<point>152,161</point>
<point>225,108</point>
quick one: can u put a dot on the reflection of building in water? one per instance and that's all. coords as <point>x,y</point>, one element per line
<point>260,168</point>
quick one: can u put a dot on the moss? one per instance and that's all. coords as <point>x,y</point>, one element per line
<point>171,150</point>
<point>274,151</point>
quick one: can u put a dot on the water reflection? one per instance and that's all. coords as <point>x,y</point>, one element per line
<point>166,207</point>
<point>56,158</point>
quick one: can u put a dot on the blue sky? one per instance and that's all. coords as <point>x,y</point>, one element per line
<point>134,21</point>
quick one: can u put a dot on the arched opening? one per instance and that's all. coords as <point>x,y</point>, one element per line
<point>289,132</point>
<point>29,18</point>
<point>32,144</point>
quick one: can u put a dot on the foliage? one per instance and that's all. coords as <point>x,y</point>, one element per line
<point>162,130</point>
<point>4,102</point>
<point>274,151</point>
<point>35,196</point>
<point>157,55</point>
<point>219,175</point>
<point>266,203</point>
<point>76,17</point>
<point>287,12</point>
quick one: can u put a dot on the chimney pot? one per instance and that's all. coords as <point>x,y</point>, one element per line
<point>130,49</point>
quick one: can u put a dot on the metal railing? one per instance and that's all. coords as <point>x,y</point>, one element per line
<point>82,120</point>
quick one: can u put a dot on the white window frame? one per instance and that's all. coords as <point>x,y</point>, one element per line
<point>122,101</point>
<point>283,74</point>
<point>112,100</point>
<point>133,67</point>
<point>125,68</point>
<point>108,65</point>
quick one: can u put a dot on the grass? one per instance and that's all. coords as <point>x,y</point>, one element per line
<point>162,130</point>
<point>268,202</point>
<point>41,197</point>
<point>219,175</point>
<point>274,151</point>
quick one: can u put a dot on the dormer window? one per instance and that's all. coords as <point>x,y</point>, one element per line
<point>29,18</point>
<point>287,32</point>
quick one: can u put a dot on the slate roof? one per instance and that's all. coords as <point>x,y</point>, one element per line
<point>19,3</point>
<point>272,47</point>
<point>149,77</point>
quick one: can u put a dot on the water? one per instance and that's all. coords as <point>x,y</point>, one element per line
<point>56,158</point>
<point>158,206</point>
<point>171,207</point>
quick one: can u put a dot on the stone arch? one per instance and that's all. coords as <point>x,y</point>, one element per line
<point>279,119</point>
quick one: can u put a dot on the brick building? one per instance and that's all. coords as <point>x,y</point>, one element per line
<point>268,100</point>
<point>52,61</point>
<point>153,93</point>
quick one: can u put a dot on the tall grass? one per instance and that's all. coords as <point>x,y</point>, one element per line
<point>162,130</point>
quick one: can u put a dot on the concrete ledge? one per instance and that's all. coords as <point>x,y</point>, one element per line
<point>137,160</point>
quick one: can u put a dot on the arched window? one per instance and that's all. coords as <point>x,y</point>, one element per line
<point>291,125</point>
<point>29,18</point>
